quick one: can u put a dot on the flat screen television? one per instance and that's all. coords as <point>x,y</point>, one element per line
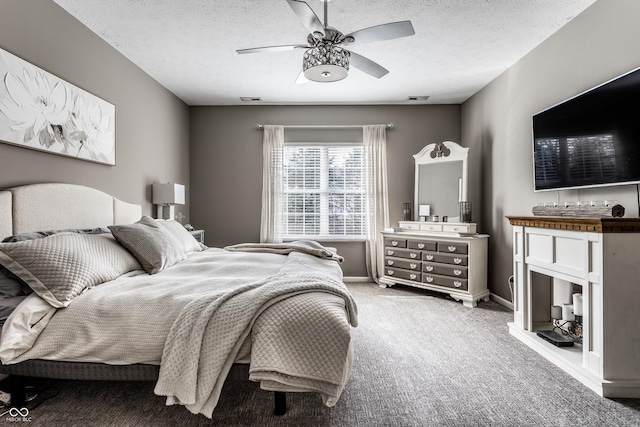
<point>590,140</point>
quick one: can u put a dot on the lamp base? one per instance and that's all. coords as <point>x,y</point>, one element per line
<point>165,212</point>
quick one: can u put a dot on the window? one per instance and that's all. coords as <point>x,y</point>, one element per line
<point>323,191</point>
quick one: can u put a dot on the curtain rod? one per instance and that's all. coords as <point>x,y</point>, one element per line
<point>261,126</point>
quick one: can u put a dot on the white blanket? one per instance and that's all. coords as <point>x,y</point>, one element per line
<point>205,339</point>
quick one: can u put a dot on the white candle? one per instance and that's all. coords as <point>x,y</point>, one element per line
<point>459,189</point>
<point>556,312</point>
<point>567,312</point>
<point>577,304</point>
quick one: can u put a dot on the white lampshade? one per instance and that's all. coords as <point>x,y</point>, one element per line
<point>168,194</point>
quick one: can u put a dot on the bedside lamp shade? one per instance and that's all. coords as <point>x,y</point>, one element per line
<point>166,196</point>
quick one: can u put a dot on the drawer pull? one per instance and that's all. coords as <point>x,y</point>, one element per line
<point>390,261</point>
<point>420,245</point>
<point>457,272</point>
<point>413,265</point>
<point>390,252</point>
<point>394,243</point>
<point>390,272</point>
<point>429,279</point>
<point>428,267</point>
<point>413,276</point>
<point>457,260</point>
<point>457,283</point>
<point>413,255</point>
<point>451,248</point>
<point>429,257</point>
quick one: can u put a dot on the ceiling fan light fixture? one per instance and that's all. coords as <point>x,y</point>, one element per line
<point>325,62</point>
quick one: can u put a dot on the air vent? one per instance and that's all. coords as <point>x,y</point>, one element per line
<point>417,98</point>
<point>250,98</point>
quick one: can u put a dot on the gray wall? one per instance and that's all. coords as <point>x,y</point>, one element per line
<point>596,46</point>
<point>226,161</point>
<point>152,125</point>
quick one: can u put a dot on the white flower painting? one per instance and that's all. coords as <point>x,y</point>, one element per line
<point>40,111</point>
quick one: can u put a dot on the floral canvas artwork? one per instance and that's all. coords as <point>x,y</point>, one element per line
<point>40,111</point>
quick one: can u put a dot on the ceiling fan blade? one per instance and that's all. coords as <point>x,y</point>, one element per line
<point>272,49</point>
<point>392,30</point>
<point>307,16</point>
<point>366,65</point>
<point>301,79</point>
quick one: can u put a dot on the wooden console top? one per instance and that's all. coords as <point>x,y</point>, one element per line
<point>596,225</point>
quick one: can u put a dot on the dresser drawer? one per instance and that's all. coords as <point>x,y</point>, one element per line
<point>403,253</point>
<point>430,227</point>
<point>422,245</point>
<point>445,270</point>
<point>453,247</point>
<point>395,243</point>
<point>445,258</point>
<point>402,274</point>
<point>449,282</point>
<point>403,263</point>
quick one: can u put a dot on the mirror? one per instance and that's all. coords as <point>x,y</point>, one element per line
<point>440,180</point>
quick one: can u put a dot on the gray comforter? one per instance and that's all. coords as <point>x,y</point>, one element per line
<point>197,318</point>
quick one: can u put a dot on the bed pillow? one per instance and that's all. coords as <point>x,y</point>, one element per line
<point>10,285</point>
<point>152,245</point>
<point>41,234</point>
<point>187,241</point>
<point>60,267</point>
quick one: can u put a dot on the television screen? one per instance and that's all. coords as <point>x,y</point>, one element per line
<point>590,140</point>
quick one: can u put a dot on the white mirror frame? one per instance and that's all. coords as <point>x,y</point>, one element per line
<point>446,151</point>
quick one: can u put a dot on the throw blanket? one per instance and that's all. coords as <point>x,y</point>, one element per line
<point>306,246</point>
<point>207,335</point>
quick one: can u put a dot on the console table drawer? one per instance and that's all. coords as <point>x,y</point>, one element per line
<point>453,247</point>
<point>422,245</point>
<point>402,274</point>
<point>450,282</point>
<point>445,270</point>
<point>445,258</point>
<point>395,243</point>
<point>403,263</point>
<point>403,253</point>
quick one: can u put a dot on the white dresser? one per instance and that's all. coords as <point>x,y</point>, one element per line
<point>439,261</point>
<point>601,257</point>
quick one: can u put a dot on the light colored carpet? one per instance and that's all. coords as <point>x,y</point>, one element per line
<point>420,360</point>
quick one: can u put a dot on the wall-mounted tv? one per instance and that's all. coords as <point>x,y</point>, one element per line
<point>590,140</point>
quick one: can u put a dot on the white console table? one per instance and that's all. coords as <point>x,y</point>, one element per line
<point>602,256</point>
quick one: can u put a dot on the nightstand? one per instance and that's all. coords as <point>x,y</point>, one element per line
<point>198,235</point>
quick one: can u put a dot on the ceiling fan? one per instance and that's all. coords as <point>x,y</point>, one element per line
<point>325,58</point>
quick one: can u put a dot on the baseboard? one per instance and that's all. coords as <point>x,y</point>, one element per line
<point>502,301</point>
<point>356,279</point>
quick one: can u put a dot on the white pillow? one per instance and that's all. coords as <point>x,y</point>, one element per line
<point>60,267</point>
<point>186,240</point>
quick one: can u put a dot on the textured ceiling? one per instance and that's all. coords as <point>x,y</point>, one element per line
<point>189,46</point>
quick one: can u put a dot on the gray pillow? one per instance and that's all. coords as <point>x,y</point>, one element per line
<point>9,285</point>
<point>185,239</point>
<point>60,267</point>
<point>41,234</point>
<point>152,245</point>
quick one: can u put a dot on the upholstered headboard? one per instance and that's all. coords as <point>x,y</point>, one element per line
<point>54,206</point>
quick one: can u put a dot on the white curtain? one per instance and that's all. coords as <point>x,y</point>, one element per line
<point>374,139</point>
<point>272,184</point>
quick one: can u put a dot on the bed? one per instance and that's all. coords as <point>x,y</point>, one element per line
<point>115,295</point>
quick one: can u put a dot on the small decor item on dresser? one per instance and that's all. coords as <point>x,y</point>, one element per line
<point>592,209</point>
<point>465,211</point>
<point>406,211</point>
